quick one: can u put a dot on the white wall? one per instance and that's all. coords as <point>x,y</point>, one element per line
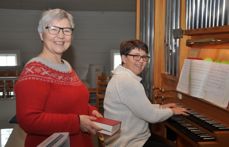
<point>95,35</point>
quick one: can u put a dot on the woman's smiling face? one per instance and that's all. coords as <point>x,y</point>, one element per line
<point>130,62</point>
<point>59,43</point>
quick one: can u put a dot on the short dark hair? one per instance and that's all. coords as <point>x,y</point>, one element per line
<point>127,46</point>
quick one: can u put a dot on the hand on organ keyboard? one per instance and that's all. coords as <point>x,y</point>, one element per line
<point>177,109</point>
<point>169,105</point>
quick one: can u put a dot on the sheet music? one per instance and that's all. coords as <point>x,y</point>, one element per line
<point>198,76</point>
<point>206,80</point>
<point>216,88</point>
<point>183,84</point>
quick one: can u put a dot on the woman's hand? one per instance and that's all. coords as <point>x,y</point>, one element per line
<point>179,110</point>
<point>169,105</point>
<point>87,125</point>
<point>96,113</point>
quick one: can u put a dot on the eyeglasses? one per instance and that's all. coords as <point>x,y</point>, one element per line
<point>54,30</point>
<point>139,57</point>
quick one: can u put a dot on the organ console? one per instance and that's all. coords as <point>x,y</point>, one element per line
<point>207,125</point>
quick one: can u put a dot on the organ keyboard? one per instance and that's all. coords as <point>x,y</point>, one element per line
<point>207,125</point>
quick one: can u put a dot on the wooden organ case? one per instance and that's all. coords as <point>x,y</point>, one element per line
<point>207,125</point>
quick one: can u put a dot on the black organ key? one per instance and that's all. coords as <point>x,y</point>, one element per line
<point>205,122</point>
<point>190,130</point>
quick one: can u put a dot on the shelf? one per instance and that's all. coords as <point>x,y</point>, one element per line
<point>217,37</point>
<point>207,31</point>
<point>207,42</point>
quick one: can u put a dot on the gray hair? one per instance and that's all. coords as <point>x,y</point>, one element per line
<point>53,14</point>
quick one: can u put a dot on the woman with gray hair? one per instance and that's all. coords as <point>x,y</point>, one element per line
<point>50,96</point>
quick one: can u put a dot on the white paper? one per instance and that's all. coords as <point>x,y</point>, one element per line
<point>206,80</point>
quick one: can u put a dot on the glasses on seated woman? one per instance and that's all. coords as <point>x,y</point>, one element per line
<point>139,57</point>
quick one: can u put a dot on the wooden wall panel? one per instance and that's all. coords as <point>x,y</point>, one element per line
<point>159,41</point>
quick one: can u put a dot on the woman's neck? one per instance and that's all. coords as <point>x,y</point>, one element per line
<point>51,57</point>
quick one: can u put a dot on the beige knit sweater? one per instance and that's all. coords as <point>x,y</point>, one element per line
<point>125,100</point>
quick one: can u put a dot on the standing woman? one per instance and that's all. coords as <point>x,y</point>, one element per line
<point>50,97</point>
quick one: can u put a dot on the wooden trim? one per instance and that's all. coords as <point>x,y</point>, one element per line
<point>159,45</point>
<point>206,31</point>
<point>138,5</point>
<point>169,82</point>
<point>169,77</point>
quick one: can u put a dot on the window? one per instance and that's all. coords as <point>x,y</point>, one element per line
<point>8,60</point>
<point>115,59</point>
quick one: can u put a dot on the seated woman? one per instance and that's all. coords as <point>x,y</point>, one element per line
<point>126,100</point>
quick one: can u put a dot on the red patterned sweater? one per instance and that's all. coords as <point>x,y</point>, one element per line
<point>49,101</point>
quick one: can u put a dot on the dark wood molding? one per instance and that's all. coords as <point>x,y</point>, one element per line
<point>207,31</point>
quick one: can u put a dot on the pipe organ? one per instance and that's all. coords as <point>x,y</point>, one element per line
<point>195,29</point>
<point>206,13</point>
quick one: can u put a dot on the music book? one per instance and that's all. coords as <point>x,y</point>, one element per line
<point>109,126</point>
<point>206,80</point>
<point>60,139</point>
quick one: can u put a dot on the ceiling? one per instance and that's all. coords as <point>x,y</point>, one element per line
<point>73,5</point>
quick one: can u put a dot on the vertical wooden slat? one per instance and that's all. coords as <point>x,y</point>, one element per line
<point>138,19</point>
<point>159,46</point>
<point>183,47</point>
